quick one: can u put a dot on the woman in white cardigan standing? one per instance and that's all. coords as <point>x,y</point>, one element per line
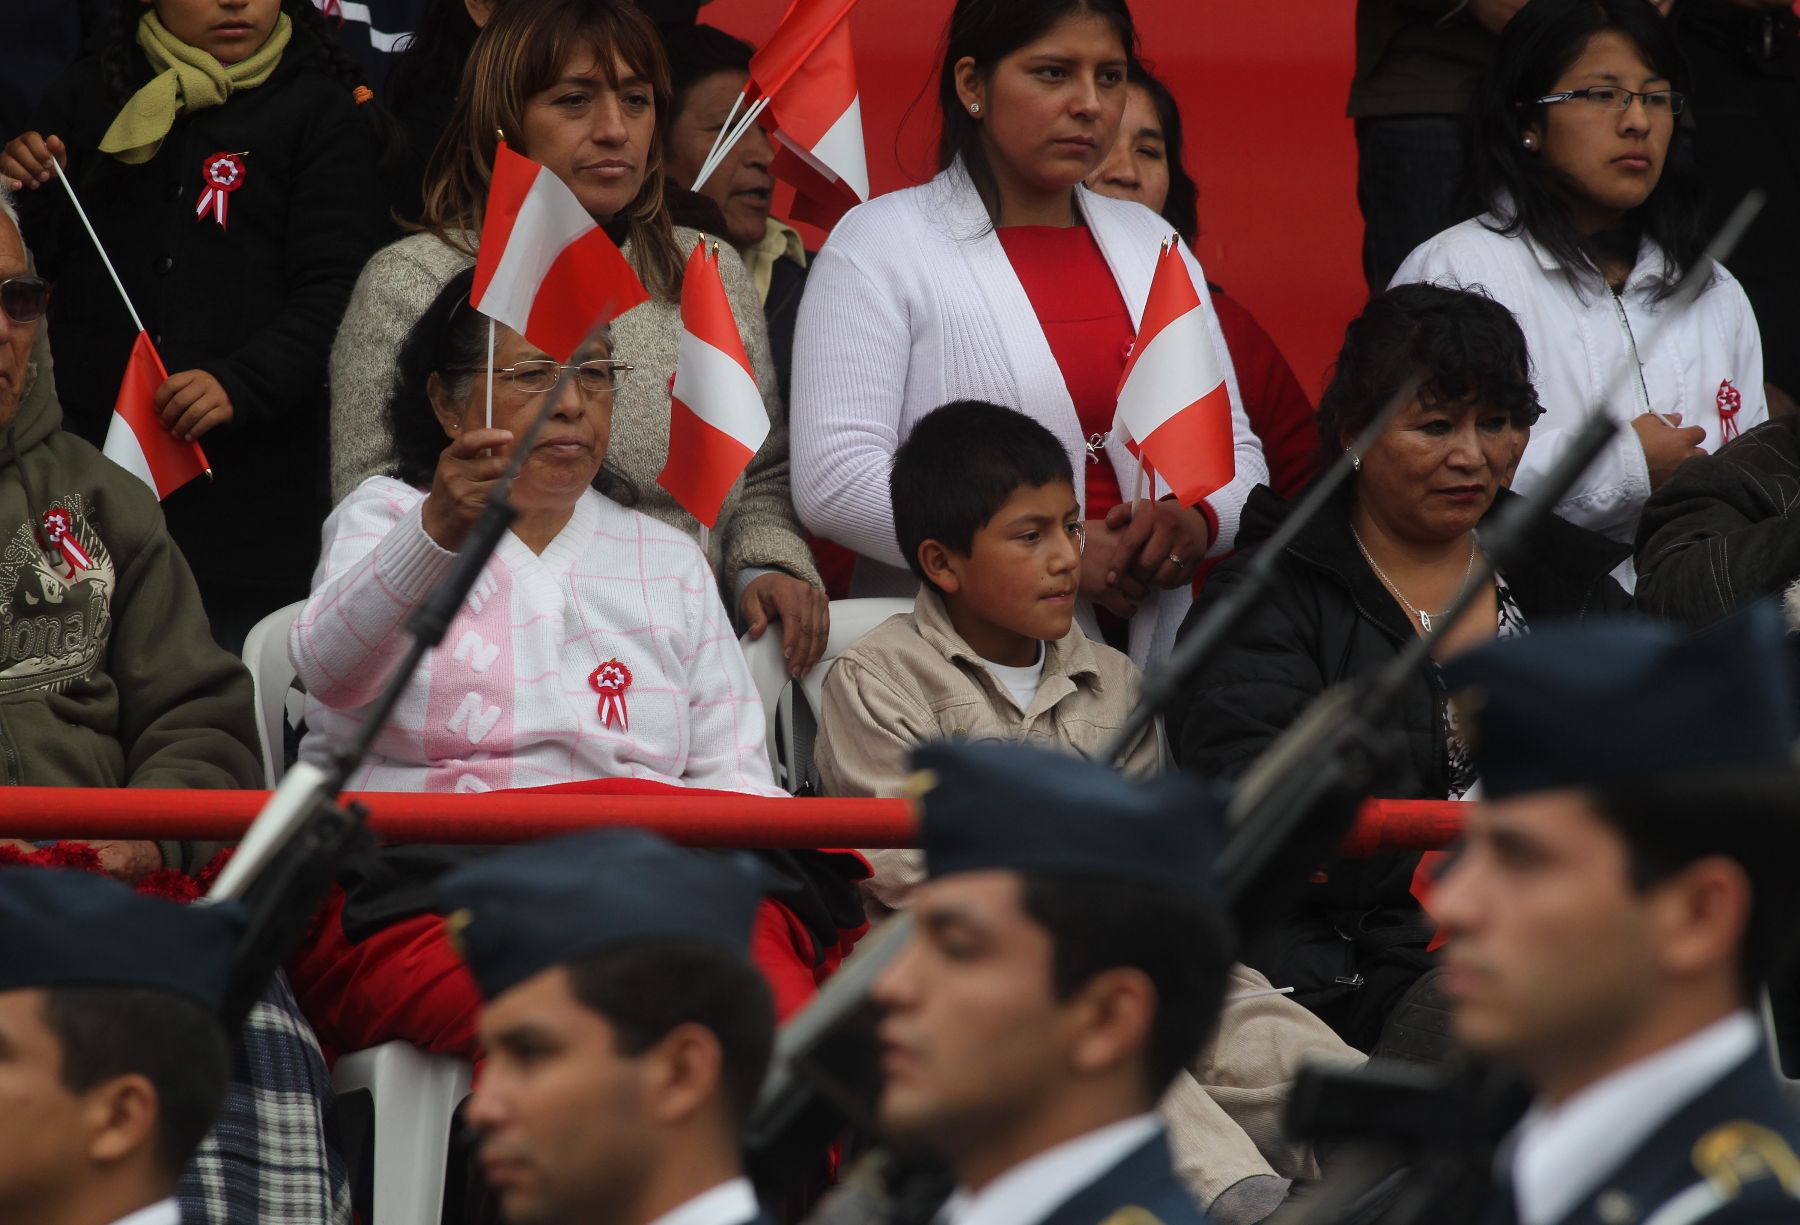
<point>1005,279</point>
<point>1592,216</point>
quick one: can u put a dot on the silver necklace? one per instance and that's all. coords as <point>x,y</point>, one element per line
<point>1423,616</point>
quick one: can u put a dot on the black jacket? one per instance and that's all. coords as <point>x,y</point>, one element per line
<point>255,304</point>
<point>1328,619</point>
<point>787,284</point>
<point>1724,529</point>
<point>1743,88</point>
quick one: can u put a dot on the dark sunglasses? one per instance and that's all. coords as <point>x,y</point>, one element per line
<point>24,298</point>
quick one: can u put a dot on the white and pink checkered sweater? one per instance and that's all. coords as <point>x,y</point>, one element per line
<point>506,700</point>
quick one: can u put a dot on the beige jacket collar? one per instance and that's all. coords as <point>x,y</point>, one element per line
<point>1069,662</point>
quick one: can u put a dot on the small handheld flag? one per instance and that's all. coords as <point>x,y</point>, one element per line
<point>816,123</point>
<point>136,438</point>
<point>1173,401</point>
<point>717,421</point>
<point>545,269</point>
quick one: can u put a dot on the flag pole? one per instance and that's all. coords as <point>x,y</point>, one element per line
<point>737,134</point>
<point>104,257</point>
<point>490,374</point>
<point>720,138</point>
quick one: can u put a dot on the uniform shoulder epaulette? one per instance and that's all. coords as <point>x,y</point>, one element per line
<point>1730,1159</point>
<point>1133,1215</point>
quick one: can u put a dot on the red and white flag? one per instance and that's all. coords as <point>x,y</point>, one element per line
<point>137,440</point>
<point>815,113</point>
<point>1173,402</point>
<point>717,420</point>
<point>545,269</point>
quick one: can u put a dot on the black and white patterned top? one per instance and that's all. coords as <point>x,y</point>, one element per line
<point>1459,766</point>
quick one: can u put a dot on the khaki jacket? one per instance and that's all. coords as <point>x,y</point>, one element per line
<point>913,679</point>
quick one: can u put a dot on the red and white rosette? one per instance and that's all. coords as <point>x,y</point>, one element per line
<point>610,680</point>
<point>58,530</point>
<point>1730,399</point>
<point>222,174</point>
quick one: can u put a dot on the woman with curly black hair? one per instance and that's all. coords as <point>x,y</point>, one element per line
<point>1375,569</point>
<point>222,153</point>
<point>1590,214</point>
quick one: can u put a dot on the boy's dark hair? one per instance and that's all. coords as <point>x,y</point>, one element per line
<point>107,1032</point>
<point>1181,207</point>
<point>1751,817</point>
<point>1502,176</point>
<point>697,52</point>
<point>647,989</point>
<point>957,468</point>
<point>988,31</point>
<point>1182,944</point>
<point>1467,347</point>
<point>451,335</point>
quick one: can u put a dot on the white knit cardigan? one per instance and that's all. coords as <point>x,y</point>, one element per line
<point>912,304</point>
<point>1585,343</point>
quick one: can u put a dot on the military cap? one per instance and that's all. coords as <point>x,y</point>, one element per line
<point>1584,705</point>
<point>80,929</point>
<point>1008,806</point>
<point>521,912</point>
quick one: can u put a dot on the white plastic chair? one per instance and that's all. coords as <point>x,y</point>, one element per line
<point>850,620</point>
<point>277,703</point>
<point>414,1097</point>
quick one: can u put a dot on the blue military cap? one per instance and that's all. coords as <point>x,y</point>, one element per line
<point>1583,705</point>
<point>80,929</point>
<point>566,899</point>
<point>1008,806</point>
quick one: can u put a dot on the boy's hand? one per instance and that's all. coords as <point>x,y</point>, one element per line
<point>26,160</point>
<point>192,403</point>
<point>803,610</point>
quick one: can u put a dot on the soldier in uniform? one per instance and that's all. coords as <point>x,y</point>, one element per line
<point>626,1030</point>
<point>113,1062</point>
<point>1070,958</point>
<point>1625,889</point>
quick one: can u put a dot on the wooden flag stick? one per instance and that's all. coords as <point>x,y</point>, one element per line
<point>490,374</point>
<point>718,140</point>
<point>736,135</point>
<point>104,257</point>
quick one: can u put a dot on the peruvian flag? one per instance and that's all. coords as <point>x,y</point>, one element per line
<point>717,421</point>
<point>1173,402</point>
<point>545,269</point>
<point>808,72</point>
<point>137,440</point>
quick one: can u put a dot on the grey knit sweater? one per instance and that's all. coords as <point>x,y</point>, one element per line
<point>757,525</point>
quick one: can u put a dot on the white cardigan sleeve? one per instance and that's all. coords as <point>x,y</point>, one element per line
<point>852,347</point>
<point>726,747</point>
<point>378,565</point>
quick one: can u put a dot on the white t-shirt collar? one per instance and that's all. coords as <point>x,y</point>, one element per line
<point>162,1212</point>
<point>1021,683</point>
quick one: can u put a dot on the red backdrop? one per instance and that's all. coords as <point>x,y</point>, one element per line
<point>1262,91</point>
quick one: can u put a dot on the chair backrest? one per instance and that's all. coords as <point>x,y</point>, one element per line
<point>790,752</point>
<point>277,700</point>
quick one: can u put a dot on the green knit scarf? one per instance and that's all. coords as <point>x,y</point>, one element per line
<point>187,79</point>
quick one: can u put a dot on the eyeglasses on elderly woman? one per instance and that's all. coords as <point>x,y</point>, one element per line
<point>24,298</point>
<point>538,375</point>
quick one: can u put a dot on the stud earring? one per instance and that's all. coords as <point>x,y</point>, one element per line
<point>1530,143</point>
<point>1356,463</point>
<point>974,108</point>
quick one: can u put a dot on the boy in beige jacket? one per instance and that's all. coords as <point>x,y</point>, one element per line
<point>986,513</point>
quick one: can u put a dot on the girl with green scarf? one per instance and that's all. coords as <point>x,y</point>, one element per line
<point>222,152</point>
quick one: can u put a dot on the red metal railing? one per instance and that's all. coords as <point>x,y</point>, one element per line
<point>709,820</point>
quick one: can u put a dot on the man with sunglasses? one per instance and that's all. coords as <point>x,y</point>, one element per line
<point>108,674</point>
